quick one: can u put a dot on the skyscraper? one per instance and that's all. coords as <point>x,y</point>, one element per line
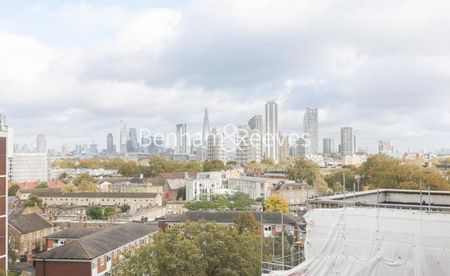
<point>384,147</point>
<point>310,127</point>
<point>110,148</point>
<point>123,138</point>
<point>133,144</point>
<point>3,189</point>
<point>256,124</point>
<point>182,139</point>
<point>248,145</point>
<point>41,143</point>
<point>216,148</point>
<point>271,131</point>
<point>205,128</point>
<point>346,147</point>
<point>328,146</point>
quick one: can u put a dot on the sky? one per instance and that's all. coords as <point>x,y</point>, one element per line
<point>72,70</point>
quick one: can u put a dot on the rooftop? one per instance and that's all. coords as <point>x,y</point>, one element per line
<point>74,233</point>
<point>53,193</point>
<point>29,223</point>
<point>229,217</point>
<point>99,243</point>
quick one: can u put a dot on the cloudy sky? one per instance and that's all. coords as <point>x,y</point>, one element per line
<point>73,70</point>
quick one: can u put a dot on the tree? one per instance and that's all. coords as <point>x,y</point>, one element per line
<point>32,201</point>
<point>109,212</point>
<point>70,188</point>
<point>241,202</point>
<point>196,249</point>
<point>335,180</point>
<point>64,177</point>
<point>276,203</point>
<point>95,212</point>
<point>42,185</point>
<point>304,170</point>
<point>124,208</point>
<point>85,183</point>
<point>64,164</point>
<point>13,189</point>
<point>213,165</point>
<point>247,223</point>
<point>382,172</point>
<point>181,193</point>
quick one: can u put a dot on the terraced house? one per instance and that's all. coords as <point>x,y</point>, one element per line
<point>94,254</point>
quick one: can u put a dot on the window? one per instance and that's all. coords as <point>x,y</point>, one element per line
<point>102,260</point>
<point>278,228</point>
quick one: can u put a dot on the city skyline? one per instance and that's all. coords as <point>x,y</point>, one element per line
<point>86,66</point>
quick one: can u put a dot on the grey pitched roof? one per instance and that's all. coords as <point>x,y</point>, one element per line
<point>94,195</point>
<point>29,223</point>
<point>228,217</point>
<point>99,243</point>
<point>119,180</point>
<point>74,233</point>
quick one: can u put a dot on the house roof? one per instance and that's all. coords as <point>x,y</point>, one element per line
<point>29,223</point>
<point>228,217</point>
<point>123,180</point>
<point>292,186</point>
<point>46,193</point>
<point>32,185</point>
<point>178,175</point>
<point>74,233</point>
<point>99,243</point>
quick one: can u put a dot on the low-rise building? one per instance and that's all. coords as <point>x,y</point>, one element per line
<point>94,254</point>
<point>207,184</point>
<point>27,233</point>
<point>172,182</point>
<point>254,187</point>
<point>51,198</point>
<point>127,185</point>
<point>68,235</point>
<point>273,222</point>
<point>296,194</point>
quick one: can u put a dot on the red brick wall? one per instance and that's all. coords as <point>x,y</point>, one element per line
<point>3,201</point>
<point>101,268</point>
<point>49,244</point>
<point>62,268</point>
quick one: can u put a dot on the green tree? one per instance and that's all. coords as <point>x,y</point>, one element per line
<point>213,165</point>
<point>13,189</point>
<point>70,188</point>
<point>32,201</point>
<point>85,183</point>
<point>241,202</point>
<point>109,212</point>
<point>95,212</point>
<point>124,208</point>
<point>42,185</point>
<point>181,193</point>
<point>196,249</point>
<point>305,170</point>
<point>335,180</point>
<point>64,164</point>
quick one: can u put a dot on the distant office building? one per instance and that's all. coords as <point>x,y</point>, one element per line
<point>3,190</point>
<point>132,143</point>
<point>271,131</point>
<point>93,148</point>
<point>123,138</point>
<point>182,139</point>
<point>347,141</point>
<point>248,145</point>
<point>283,147</point>
<point>216,147</point>
<point>256,123</point>
<point>310,128</point>
<point>328,146</point>
<point>156,145</point>
<point>384,147</point>
<point>29,167</point>
<point>110,147</point>
<point>41,143</point>
<point>206,128</point>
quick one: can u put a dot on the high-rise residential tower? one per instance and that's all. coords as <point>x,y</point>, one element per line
<point>132,143</point>
<point>216,147</point>
<point>205,128</point>
<point>346,148</point>
<point>110,147</point>
<point>3,196</point>
<point>271,131</point>
<point>310,128</point>
<point>384,147</point>
<point>41,143</point>
<point>182,139</point>
<point>328,146</point>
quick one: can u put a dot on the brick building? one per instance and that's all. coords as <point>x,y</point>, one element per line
<point>93,254</point>
<point>3,197</point>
